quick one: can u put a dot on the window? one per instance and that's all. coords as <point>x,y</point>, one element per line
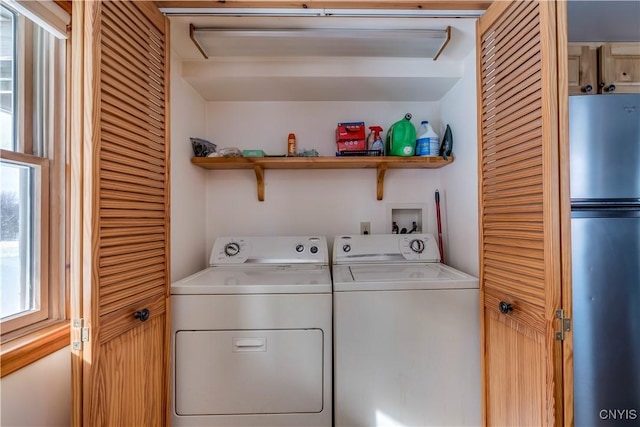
<point>31,181</point>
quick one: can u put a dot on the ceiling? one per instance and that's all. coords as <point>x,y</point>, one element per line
<point>603,21</point>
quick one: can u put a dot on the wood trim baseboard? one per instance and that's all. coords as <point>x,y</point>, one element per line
<point>27,349</point>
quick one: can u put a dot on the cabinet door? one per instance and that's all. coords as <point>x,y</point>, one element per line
<point>582,68</point>
<point>520,112</point>
<point>120,277</point>
<point>620,68</point>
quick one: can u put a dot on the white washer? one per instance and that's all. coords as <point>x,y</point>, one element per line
<point>406,335</point>
<point>252,335</point>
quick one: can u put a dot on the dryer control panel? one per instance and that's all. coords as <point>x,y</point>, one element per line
<point>377,248</point>
<point>270,250</point>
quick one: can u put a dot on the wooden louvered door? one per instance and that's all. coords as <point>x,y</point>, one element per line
<point>120,273</point>
<point>520,112</point>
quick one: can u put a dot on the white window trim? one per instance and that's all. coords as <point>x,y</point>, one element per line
<point>19,343</point>
<point>45,13</point>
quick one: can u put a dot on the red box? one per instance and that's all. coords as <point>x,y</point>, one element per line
<point>351,136</point>
<point>352,145</point>
<point>350,131</point>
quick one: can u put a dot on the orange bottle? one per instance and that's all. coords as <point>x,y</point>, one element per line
<point>291,145</point>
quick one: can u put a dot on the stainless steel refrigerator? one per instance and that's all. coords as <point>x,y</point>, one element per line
<point>605,239</point>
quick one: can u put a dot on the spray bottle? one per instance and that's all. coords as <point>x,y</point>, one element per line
<point>374,139</point>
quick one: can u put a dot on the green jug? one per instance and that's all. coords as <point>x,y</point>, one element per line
<point>401,138</point>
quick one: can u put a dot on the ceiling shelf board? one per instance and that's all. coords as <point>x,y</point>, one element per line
<point>259,164</point>
<point>214,42</point>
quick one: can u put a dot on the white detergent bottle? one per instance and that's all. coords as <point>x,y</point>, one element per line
<point>427,142</point>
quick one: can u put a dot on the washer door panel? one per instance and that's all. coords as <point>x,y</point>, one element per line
<point>248,372</point>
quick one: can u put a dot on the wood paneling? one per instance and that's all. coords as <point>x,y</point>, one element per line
<point>125,209</point>
<point>620,67</point>
<point>517,384</point>
<point>126,382</point>
<point>519,212</point>
<point>332,4</point>
<point>582,69</point>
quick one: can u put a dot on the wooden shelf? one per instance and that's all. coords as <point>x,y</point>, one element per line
<point>259,164</point>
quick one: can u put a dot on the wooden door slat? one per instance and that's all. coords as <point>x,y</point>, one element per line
<point>113,194</point>
<point>141,112</point>
<point>126,299</point>
<point>143,79</point>
<point>122,86</point>
<point>145,36</point>
<point>145,150</point>
<point>119,146</point>
<point>114,179</point>
<point>134,173</point>
<point>123,240</point>
<point>151,31</point>
<point>131,188</point>
<point>133,123</point>
<point>131,265</point>
<point>130,213</point>
<point>118,33</point>
<point>503,29</point>
<point>152,143</point>
<point>115,260</point>
<point>115,283</point>
<point>114,156</point>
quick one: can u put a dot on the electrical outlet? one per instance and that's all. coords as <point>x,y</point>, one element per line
<point>365,227</point>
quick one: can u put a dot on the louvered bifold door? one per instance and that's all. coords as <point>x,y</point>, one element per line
<point>126,236</point>
<point>519,229</point>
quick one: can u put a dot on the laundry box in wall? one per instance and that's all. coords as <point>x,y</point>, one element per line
<point>351,136</point>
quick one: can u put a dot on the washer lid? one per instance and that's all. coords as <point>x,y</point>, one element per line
<point>265,279</point>
<point>393,277</point>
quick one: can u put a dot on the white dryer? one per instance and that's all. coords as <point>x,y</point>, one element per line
<point>406,335</point>
<point>252,335</point>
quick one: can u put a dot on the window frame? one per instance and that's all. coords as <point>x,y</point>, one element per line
<point>41,216</point>
<point>27,338</point>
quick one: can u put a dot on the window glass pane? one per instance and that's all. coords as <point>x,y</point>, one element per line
<point>7,80</point>
<point>16,239</point>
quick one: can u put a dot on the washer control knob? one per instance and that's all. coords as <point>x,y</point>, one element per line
<point>417,246</point>
<point>346,247</point>
<point>231,249</point>
<point>299,248</point>
<point>314,249</point>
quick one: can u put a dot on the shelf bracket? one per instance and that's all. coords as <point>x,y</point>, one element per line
<point>259,170</point>
<point>382,169</point>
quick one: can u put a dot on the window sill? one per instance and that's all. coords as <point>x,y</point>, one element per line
<point>22,351</point>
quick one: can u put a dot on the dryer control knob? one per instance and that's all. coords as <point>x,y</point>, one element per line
<point>299,248</point>
<point>231,249</point>
<point>417,246</point>
<point>346,248</point>
<point>314,249</point>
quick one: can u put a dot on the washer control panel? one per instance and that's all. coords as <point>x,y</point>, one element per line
<point>269,250</point>
<point>377,248</point>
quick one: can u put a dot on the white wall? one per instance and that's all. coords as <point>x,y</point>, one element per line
<point>38,394</point>
<point>459,189</point>
<point>187,181</point>
<point>299,202</point>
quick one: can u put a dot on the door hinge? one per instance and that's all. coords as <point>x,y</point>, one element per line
<point>80,333</point>
<point>565,324</point>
